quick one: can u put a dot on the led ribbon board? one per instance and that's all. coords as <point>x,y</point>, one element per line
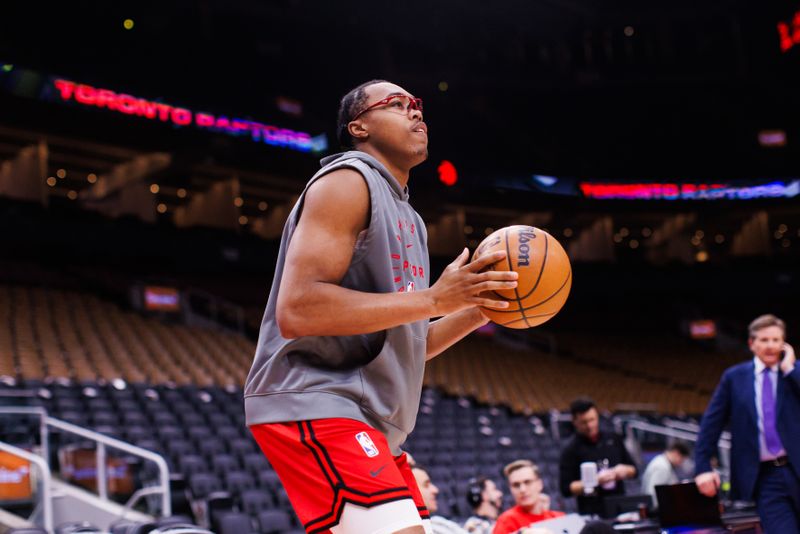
<point>87,95</point>
<point>789,32</point>
<point>675,191</point>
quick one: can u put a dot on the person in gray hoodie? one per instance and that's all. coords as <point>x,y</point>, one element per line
<point>336,380</point>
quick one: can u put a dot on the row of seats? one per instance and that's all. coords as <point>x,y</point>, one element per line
<point>201,433</point>
<point>671,359</point>
<point>52,333</point>
<point>168,525</point>
<point>531,381</point>
<point>47,333</point>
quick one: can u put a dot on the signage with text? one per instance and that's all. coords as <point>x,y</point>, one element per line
<point>87,95</point>
<point>682,191</point>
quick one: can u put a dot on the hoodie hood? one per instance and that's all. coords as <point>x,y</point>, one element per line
<point>397,190</point>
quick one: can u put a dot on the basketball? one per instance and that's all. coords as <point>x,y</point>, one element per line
<point>545,275</point>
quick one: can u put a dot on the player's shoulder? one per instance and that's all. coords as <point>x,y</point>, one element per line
<point>342,178</point>
<point>342,188</point>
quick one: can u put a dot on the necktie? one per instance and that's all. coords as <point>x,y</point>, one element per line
<point>773,441</point>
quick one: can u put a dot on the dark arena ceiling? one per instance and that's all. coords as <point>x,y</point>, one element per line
<point>617,89</point>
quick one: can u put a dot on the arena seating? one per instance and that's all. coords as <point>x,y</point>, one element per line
<point>180,395</point>
<point>54,333</point>
<point>531,381</point>
<point>201,433</point>
<point>76,335</point>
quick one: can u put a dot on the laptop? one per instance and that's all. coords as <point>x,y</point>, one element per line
<point>567,524</point>
<point>682,505</point>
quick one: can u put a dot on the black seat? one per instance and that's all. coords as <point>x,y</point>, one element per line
<point>224,463</point>
<point>191,464</point>
<point>269,479</point>
<point>209,446</point>
<point>239,481</point>
<point>255,462</point>
<point>242,446</point>
<point>179,447</point>
<point>274,521</point>
<point>203,484</point>
<point>134,417</point>
<point>255,501</point>
<point>234,523</point>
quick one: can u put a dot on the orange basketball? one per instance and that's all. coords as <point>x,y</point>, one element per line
<point>545,275</point>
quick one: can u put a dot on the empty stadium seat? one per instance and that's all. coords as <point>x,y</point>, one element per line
<point>269,479</point>
<point>224,463</point>
<point>274,521</point>
<point>255,500</point>
<point>191,464</point>
<point>235,523</point>
<point>202,485</point>
<point>239,481</point>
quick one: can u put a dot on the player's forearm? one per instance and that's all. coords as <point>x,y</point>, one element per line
<point>445,332</point>
<point>325,309</point>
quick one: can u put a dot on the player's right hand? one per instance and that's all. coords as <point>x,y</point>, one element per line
<point>461,284</point>
<point>708,483</point>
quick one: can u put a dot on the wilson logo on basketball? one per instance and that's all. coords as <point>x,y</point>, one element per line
<point>545,275</point>
<point>523,257</point>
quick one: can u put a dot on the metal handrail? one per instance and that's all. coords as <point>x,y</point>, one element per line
<point>670,432</point>
<point>102,441</point>
<point>39,412</point>
<point>47,480</point>
<point>691,427</point>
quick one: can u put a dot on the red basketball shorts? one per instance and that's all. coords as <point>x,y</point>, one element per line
<point>326,463</point>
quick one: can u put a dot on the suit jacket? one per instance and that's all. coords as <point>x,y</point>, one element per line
<point>734,403</point>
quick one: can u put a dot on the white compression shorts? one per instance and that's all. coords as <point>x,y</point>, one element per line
<point>382,519</point>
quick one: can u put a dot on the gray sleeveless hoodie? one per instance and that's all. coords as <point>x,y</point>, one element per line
<point>377,377</point>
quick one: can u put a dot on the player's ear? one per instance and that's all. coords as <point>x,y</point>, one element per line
<point>358,130</point>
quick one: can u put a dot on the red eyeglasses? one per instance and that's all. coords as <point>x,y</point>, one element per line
<point>402,103</point>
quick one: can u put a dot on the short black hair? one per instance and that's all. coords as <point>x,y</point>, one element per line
<point>581,406</point>
<point>475,488</point>
<point>351,104</point>
<point>680,448</point>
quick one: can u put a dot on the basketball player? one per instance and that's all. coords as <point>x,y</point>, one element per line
<point>336,381</point>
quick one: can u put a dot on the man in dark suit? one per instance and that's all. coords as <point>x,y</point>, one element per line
<point>761,401</point>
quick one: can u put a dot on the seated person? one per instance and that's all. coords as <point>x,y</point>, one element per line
<point>663,469</point>
<point>486,500</point>
<point>429,491</point>
<point>531,504</point>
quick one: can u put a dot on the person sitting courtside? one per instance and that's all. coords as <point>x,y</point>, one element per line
<point>486,500</point>
<point>531,504</point>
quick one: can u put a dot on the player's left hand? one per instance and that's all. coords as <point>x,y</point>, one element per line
<point>789,359</point>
